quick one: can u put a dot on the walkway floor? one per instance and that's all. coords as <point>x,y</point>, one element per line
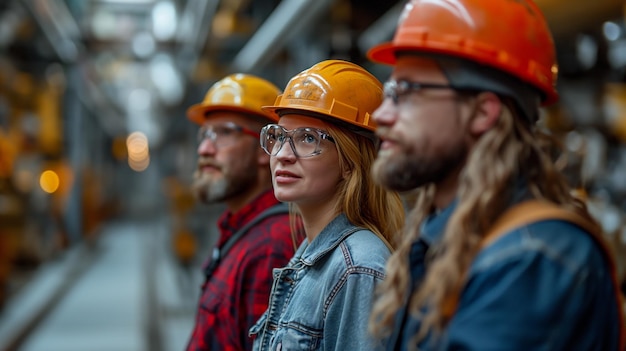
<point>125,294</point>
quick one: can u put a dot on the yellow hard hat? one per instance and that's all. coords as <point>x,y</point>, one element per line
<point>237,92</point>
<point>337,89</point>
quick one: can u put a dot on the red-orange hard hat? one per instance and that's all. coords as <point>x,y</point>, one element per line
<point>510,36</point>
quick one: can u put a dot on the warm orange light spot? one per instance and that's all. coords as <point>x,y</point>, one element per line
<point>49,181</point>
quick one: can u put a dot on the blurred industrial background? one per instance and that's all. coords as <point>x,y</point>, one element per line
<point>100,238</point>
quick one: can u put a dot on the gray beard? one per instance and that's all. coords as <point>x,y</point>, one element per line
<point>211,191</point>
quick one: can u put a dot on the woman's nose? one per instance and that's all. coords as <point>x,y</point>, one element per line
<point>286,152</point>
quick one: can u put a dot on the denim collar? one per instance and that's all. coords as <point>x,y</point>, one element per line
<point>330,237</point>
<point>435,224</point>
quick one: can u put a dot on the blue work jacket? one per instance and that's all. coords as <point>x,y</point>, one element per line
<point>544,286</point>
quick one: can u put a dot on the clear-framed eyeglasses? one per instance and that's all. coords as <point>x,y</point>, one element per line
<point>304,141</point>
<point>394,89</point>
<point>223,134</point>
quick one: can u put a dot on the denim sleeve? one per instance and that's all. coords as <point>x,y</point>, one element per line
<point>346,321</point>
<point>537,291</point>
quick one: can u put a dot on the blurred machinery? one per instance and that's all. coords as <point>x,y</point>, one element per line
<point>183,240</point>
<point>35,176</point>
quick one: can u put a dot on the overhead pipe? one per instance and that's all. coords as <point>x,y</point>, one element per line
<point>193,31</point>
<point>59,27</point>
<point>381,30</point>
<point>288,20</point>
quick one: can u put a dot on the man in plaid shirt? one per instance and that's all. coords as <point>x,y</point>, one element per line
<point>233,169</point>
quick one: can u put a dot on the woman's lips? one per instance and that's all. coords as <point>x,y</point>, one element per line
<point>285,177</point>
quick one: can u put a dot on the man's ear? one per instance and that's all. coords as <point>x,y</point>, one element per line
<point>487,112</point>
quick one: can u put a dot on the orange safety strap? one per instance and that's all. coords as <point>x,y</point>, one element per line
<point>532,211</point>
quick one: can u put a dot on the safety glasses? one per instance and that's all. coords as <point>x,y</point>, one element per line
<point>304,141</point>
<point>223,134</point>
<point>394,89</point>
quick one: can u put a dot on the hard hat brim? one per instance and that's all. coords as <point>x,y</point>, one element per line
<point>200,113</point>
<point>317,113</point>
<point>384,53</point>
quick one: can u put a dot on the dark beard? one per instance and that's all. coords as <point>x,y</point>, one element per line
<point>403,172</point>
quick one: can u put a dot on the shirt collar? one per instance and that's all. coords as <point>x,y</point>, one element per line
<point>330,237</point>
<point>435,224</point>
<point>230,222</point>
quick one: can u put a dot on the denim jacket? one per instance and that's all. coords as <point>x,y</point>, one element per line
<point>322,299</point>
<point>544,286</point>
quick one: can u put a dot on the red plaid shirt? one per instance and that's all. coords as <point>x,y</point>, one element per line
<point>237,293</point>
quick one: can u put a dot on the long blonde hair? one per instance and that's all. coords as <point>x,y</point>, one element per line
<point>512,151</point>
<point>364,202</point>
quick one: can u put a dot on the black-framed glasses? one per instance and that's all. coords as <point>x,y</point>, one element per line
<point>304,141</point>
<point>394,89</point>
<point>223,134</point>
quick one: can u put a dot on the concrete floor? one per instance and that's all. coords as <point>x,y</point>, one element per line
<point>128,293</point>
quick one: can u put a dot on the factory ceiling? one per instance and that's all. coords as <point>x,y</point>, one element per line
<point>173,49</point>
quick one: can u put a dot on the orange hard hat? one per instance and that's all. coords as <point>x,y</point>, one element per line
<point>509,36</point>
<point>333,89</point>
<point>239,92</point>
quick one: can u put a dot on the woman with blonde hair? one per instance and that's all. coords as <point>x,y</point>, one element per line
<point>321,152</point>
